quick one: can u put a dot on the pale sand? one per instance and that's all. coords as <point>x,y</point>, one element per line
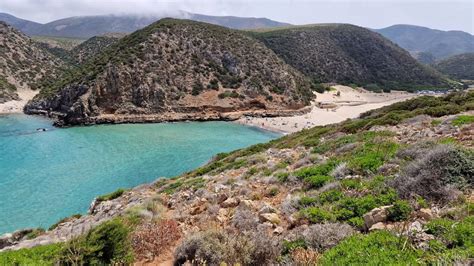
<point>350,104</point>
<point>12,107</point>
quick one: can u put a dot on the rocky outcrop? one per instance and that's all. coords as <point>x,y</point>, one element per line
<point>176,70</point>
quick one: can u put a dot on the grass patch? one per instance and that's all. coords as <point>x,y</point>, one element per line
<point>113,195</point>
<point>463,120</point>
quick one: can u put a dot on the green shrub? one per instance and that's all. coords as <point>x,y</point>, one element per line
<point>463,119</point>
<point>112,195</point>
<point>330,196</point>
<point>307,201</point>
<point>316,215</point>
<point>377,248</point>
<point>66,219</point>
<point>40,255</point>
<point>289,246</point>
<point>453,233</point>
<point>400,211</point>
<point>107,243</point>
<point>317,181</point>
<point>282,176</point>
<point>322,169</point>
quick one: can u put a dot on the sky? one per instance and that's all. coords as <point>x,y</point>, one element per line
<point>437,14</point>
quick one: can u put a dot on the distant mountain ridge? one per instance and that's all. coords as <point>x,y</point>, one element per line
<point>88,26</point>
<point>438,43</point>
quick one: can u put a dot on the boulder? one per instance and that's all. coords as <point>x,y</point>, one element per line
<point>425,214</point>
<point>376,215</point>
<point>270,217</point>
<point>230,203</point>
<point>378,226</point>
<point>267,208</point>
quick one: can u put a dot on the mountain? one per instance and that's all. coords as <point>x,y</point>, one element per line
<point>440,44</point>
<point>175,70</point>
<point>22,63</point>
<point>89,26</point>
<point>23,25</point>
<point>459,66</point>
<point>348,54</point>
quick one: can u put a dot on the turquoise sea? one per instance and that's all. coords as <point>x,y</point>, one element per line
<point>45,176</point>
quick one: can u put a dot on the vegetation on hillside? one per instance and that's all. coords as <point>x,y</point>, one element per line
<point>349,54</point>
<point>316,192</point>
<point>459,66</point>
<point>22,62</point>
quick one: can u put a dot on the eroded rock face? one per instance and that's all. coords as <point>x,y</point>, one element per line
<point>177,70</point>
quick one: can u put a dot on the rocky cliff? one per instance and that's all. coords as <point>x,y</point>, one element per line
<point>174,70</point>
<point>22,63</point>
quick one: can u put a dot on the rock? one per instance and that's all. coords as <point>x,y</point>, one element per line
<point>198,209</point>
<point>375,216</point>
<point>279,230</point>
<point>230,203</point>
<point>270,217</point>
<point>425,214</point>
<point>267,208</point>
<point>247,204</point>
<point>415,227</point>
<point>378,226</point>
<point>222,215</point>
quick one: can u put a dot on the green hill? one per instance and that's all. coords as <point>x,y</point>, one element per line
<point>349,54</point>
<point>173,70</point>
<point>459,66</point>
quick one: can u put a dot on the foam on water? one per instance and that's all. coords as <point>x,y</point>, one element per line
<point>48,175</point>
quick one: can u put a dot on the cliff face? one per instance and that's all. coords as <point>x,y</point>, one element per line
<point>22,63</point>
<point>348,54</point>
<point>173,70</point>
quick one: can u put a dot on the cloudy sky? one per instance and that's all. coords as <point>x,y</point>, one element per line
<point>439,14</point>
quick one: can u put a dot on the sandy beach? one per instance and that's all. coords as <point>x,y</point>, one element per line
<point>12,107</point>
<point>330,107</point>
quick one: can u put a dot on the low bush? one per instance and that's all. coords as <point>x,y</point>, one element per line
<point>107,243</point>
<point>400,211</point>
<point>289,246</point>
<point>112,195</point>
<point>377,248</point>
<point>316,215</point>
<point>437,175</point>
<point>463,119</point>
<point>217,247</point>
<point>317,181</point>
<point>321,237</point>
<point>154,238</point>
<point>40,255</point>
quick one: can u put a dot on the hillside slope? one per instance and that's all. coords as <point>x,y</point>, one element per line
<point>348,54</point>
<point>175,70</point>
<point>459,66</point>
<point>25,26</point>
<point>92,47</point>
<point>22,63</point>
<point>395,185</point>
<point>440,44</point>
<point>89,26</point>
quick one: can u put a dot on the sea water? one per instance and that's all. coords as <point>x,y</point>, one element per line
<point>52,174</point>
